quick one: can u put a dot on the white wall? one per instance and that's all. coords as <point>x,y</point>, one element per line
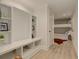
<point>42,25</point>
<point>21,25</point>
<point>75,30</point>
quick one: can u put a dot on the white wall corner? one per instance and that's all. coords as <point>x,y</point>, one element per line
<point>75,30</point>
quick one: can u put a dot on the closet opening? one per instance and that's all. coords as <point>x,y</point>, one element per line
<point>62,30</point>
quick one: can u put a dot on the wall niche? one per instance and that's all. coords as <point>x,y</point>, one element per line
<point>33,26</point>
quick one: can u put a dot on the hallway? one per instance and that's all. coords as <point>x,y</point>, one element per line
<point>29,28</point>
<point>63,51</point>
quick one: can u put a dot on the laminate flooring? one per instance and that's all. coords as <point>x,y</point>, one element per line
<point>63,51</point>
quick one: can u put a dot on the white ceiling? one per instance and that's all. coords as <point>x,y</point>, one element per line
<point>60,8</point>
<point>31,4</point>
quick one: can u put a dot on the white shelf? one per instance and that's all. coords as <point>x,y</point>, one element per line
<point>5,18</point>
<point>62,25</point>
<point>29,53</point>
<point>31,49</point>
<point>9,47</point>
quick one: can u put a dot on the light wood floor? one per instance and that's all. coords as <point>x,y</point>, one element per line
<point>63,51</point>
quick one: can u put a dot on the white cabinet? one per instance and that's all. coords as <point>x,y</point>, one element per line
<point>24,48</point>
<point>20,33</point>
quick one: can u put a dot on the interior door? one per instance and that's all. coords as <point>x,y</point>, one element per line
<point>51,30</point>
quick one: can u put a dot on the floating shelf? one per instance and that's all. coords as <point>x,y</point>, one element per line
<point>61,30</point>
<point>62,25</point>
<point>62,21</point>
